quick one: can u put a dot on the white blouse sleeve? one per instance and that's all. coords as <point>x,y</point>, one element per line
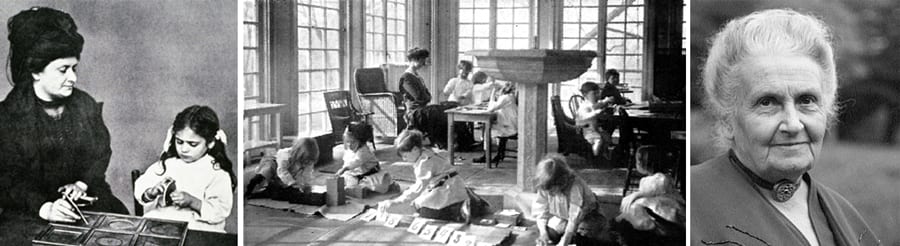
<point>423,172</point>
<point>148,179</point>
<point>217,199</point>
<point>540,209</point>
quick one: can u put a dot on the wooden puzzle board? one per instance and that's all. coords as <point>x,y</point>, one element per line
<point>106,229</point>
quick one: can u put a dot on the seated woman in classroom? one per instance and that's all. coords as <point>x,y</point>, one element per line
<point>285,176</point>
<point>439,192</point>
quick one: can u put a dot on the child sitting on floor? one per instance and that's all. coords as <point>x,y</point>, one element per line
<point>193,180</point>
<point>286,175</point>
<point>360,164</point>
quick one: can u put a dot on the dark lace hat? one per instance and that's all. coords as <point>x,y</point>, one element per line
<point>37,36</point>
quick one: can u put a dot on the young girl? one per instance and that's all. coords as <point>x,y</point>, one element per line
<point>566,209</point>
<point>503,104</point>
<point>286,175</point>
<point>459,89</point>
<point>360,164</point>
<point>483,87</point>
<point>195,160</point>
<point>438,193</point>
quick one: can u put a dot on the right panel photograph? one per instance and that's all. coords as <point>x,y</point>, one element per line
<point>794,123</point>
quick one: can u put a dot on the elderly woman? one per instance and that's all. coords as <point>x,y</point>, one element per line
<point>53,142</point>
<point>770,83</point>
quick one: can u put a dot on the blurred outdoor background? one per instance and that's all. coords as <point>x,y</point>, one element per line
<point>861,157</point>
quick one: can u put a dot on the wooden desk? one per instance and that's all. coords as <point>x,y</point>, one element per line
<point>470,114</point>
<point>261,109</point>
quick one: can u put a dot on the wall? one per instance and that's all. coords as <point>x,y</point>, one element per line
<point>148,60</point>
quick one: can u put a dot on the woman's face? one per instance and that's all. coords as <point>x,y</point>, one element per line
<point>411,155</point>
<point>780,122</point>
<point>57,80</point>
<point>190,146</point>
<point>422,63</point>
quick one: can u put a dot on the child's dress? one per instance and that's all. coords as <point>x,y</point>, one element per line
<point>433,189</point>
<point>507,115</point>
<point>361,168</point>
<point>278,174</point>
<point>202,179</point>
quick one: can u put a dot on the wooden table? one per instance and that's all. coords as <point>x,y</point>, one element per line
<point>470,114</point>
<point>261,109</point>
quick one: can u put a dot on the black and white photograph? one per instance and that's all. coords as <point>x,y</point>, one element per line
<point>513,122</point>
<point>119,122</point>
<point>794,119</point>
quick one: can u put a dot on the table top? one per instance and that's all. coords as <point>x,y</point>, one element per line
<point>470,109</point>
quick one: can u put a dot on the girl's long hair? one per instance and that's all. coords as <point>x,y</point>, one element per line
<point>203,121</point>
<point>554,175</point>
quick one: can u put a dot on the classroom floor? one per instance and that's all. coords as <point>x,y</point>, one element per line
<point>265,226</point>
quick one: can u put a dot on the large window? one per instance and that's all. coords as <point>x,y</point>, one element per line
<point>253,86</point>
<point>494,24</point>
<point>319,53</point>
<point>624,41</point>
<point>385,32</point>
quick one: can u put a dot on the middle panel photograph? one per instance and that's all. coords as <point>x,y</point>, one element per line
<point>488,122</point>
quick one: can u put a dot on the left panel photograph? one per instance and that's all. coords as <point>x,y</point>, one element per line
<point>118,123</point>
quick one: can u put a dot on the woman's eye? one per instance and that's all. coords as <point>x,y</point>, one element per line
<point>766,101</point>
<point>807,100</point>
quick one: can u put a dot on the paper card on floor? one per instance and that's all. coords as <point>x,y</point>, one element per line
<point>502,225</point>
<point>393,220</point>
<point>469,240</point>
<point>416,226</point>
<point>443,235</point>
<point>369,215</point>
<point>382,217</point>
<point>456,239</point>
<point>428,232</point>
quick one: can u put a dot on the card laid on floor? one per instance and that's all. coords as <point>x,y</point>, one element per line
<point>443,235</point>
<point>470,240</point>
<point>456,239</point>
<point>417,225</point>
<point>393,220</point>
<point>369,215</point>
<point>428,232</point>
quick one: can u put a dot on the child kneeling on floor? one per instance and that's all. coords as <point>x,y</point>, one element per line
<point>286,175</point>
<point>360,168</point>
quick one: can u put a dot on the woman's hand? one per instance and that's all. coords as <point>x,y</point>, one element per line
<point>58,211</point>
<point>74,191</point>
<point>183,199</point>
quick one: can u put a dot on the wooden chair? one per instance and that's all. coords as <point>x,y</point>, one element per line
<point>341,112</point>
<point>575,102</point>
<point>375,97</point>
<point>571,140</point>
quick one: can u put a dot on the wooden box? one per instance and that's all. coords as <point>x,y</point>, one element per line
<point>114,229</point>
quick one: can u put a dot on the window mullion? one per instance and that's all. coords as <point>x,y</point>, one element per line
<point>492,26</point>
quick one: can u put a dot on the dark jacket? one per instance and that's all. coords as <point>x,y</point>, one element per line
<point>726,207</point>
<point>415,94</point>
<point>39,154</point>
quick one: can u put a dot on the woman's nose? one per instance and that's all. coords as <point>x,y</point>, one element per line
<point>71,76</point>
<point>790,122</point>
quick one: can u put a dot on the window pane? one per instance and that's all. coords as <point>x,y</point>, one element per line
<point>590,14</point>
<point>589,44</point>
<point>634,46</point>
<point>570,14</point>
<point>401,27</point>
<point>466,16</point>
<point>588,31</point>
<point>570,30</point>
<point>522,15</point>
<point>378,40</point>
<point>482,15</point>
<point>635,30</point>
<point>593,2</point>
<point>615,30</point>
<point>334,39</point>
<point>318,102</point>
<point>333,18</point>
<point>482,30</point>
<point>333,3</point>
<point>317,39</point>
<point>633,62</point>
<point>318,17</point>
<point>504,30</point>
<point>521,30</point>
<point>250,61</point>
<point>620,17</point>
<point>303,84</point>
<point>334,80</point>
<point>465,44</point>
<point>303,59</point>
<point>302,38</point>
<point>482,44</point>
<point>392,27</point>
<point>391,10</point>
<point>615,46</point>
<point>392,42</point>
<point>302,16</point>
<point>465,4</point>
<point>377,8</point>
<point>317,81</point>
<point>614,61</point>
<point>334,60</point>
<point>401,12</point>
<point>504,3</point>
<point>504,15</point>
<point>303,125</point>
<point>569,43</point>
<point>465,30</point>
<point>317,59</point>
<point>315,122</point>
<point>378,25</point>
<point>482,3</point>
<point>504,43</point>
<point>572,3</point>
<point>520,43</point>
<point>401,43</point>
<point>635,14</point>
<point>250,86</point>
<point>304,103</point>
<point>250,10</point>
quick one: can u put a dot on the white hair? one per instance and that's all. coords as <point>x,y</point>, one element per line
<point>775,31</point>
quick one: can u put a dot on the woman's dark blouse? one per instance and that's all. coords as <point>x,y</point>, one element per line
<point>38,154</point>
<point>415,94</point>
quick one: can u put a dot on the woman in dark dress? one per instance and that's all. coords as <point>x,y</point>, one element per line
<point>53,142</point>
